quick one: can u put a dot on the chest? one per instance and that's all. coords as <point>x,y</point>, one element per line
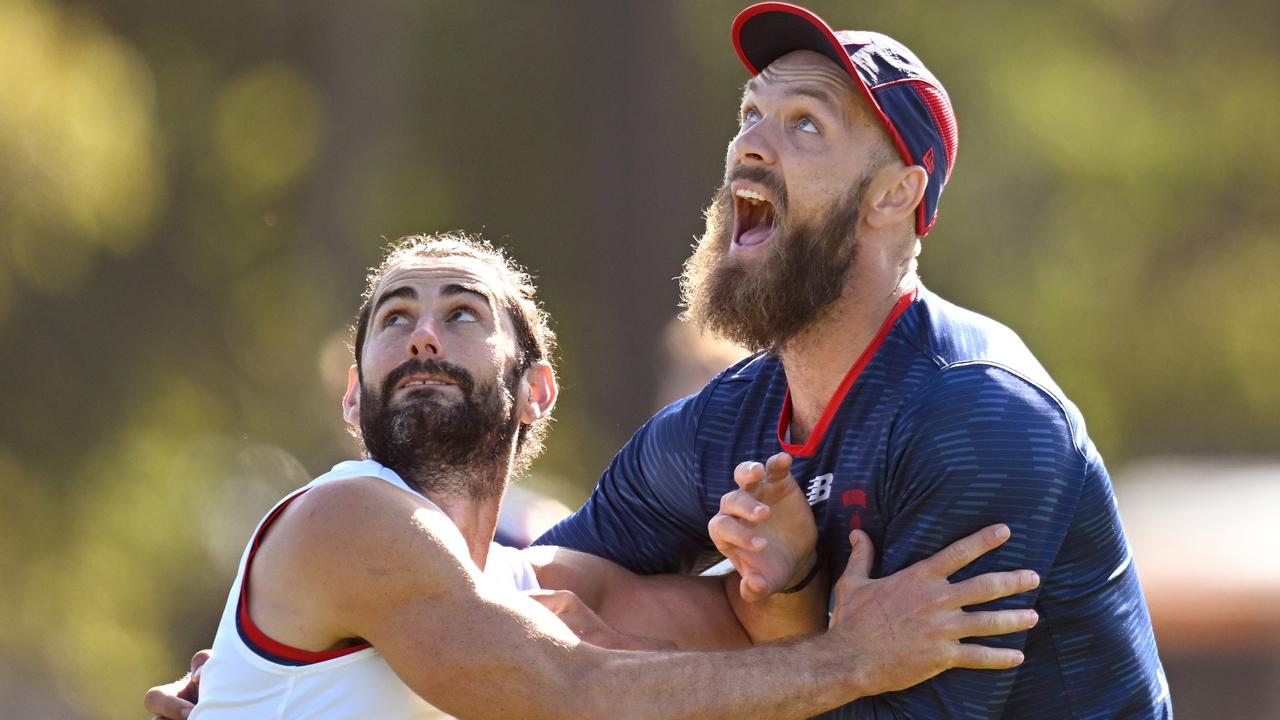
<point>845,480</point>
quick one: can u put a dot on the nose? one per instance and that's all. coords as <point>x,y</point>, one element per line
<point>752,146</point>
<point>424,342</point>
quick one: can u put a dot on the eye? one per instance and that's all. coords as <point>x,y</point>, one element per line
<point>395,317</point>
<point>807,125</point>
<point>750,116</point>
<point>464,314</point>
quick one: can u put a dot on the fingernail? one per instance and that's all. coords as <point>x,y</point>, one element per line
<point>758,509</point>
<point>186,712</point>
<point>1002,532</point>
<point>758,542</point>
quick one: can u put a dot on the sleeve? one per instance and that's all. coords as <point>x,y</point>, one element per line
<point>977,446</point>
<point>646,512</point>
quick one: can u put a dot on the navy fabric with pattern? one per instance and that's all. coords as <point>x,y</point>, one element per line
<point>951,426</point>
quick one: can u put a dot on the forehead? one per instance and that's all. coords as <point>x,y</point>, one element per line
<point>433,273</point>
<point>804,69</point>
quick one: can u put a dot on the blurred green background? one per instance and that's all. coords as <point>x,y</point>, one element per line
<point>190,192</point>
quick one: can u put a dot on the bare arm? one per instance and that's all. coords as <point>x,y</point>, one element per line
<point>703,612</point>
<point>404,583</point>
<point>680,611</point>
<point>389,570</point>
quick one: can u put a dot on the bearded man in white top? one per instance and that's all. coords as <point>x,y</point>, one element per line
<point>375,588</point>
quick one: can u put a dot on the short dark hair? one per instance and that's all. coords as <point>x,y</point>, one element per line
<point>535,340</point>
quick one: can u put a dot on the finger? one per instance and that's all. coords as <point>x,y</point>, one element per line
<point>199,659</point>
<point>748,475</point>
<point>993,586</point>
<point>994,622</point>
<point>741,504</point>
<point>861,556</point>
<point>950,559</point>
<point>777,467</point>
<point>753,588</point>
<point>981,657</point>
<point>162,702</point>
<point>729,533</point>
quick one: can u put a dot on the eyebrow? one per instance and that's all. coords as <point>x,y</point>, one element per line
<point>404,291</point>
<point>817,93</point>
<point>452,289</point>
<point>459,289</point>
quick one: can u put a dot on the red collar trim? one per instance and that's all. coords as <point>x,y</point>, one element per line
<point>820,429</point>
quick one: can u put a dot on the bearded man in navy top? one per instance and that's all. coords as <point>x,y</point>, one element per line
<point>900,414</point>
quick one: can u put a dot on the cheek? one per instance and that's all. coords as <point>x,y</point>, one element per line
<point>819,186</point>
<point>378,360</point>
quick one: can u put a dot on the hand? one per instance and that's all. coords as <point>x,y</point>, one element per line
<point>587,625</point>
<point>766,528</point>
<point>905,628</point>
<point>175,700</point>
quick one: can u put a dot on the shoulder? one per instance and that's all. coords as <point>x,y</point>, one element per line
<point>722,395</point>
<point>972,352</point>
<point>950,334</point>
<point>364,532</point>
<point>980,409</point>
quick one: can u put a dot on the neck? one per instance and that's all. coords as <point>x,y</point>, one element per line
<point>817,359</point>
<point>454,490</point>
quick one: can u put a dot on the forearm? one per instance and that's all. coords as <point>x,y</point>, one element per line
<point>786,680</point>
<point>514,664</point>
<point>685,611</point>
<point>691,613</point>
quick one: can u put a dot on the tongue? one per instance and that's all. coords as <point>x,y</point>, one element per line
<point>755,235</point>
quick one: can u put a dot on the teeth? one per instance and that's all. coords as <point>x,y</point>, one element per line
<point>750,196</point>
<point>412,383</point>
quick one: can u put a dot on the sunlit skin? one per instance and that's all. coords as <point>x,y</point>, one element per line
<point>803,119</point>
<point>447,309</point>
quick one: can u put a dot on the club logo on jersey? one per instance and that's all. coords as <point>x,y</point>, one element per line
<point>819,489</point>
<point>855,501</point>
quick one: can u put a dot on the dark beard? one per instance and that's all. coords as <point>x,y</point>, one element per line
<point>805,271</point>
<point>446,447</point>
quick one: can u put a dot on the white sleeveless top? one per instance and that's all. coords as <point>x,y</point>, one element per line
<point>252,676</point>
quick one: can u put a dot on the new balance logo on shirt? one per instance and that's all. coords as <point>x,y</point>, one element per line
<point>819,489</point>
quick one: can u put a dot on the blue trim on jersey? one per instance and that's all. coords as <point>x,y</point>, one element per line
<point>951,427</point>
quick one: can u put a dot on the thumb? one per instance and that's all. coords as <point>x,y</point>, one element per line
<point>861,557</point>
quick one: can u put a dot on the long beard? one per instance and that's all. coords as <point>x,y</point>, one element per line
<point>765,304</point>
<point>456,447</point>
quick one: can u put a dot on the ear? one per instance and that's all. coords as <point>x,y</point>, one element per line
<point>895,193</point>
<point>351,398</point>
<point>538,392</point>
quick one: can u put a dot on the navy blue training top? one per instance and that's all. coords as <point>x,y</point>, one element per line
<point>945,425</point>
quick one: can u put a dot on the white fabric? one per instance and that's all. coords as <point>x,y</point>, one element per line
<point>239,683</point>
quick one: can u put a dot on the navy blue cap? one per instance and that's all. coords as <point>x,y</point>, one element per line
<point>908,99</point>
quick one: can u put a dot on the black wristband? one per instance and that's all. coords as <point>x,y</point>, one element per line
<point>804,583</point>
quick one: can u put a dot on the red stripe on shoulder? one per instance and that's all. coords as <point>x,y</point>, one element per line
<point>259,641</point>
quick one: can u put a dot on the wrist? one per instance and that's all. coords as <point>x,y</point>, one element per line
<point>846,669</point>
<point>806,571</point>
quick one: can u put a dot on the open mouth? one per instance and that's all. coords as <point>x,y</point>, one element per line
<point>752,216</point>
